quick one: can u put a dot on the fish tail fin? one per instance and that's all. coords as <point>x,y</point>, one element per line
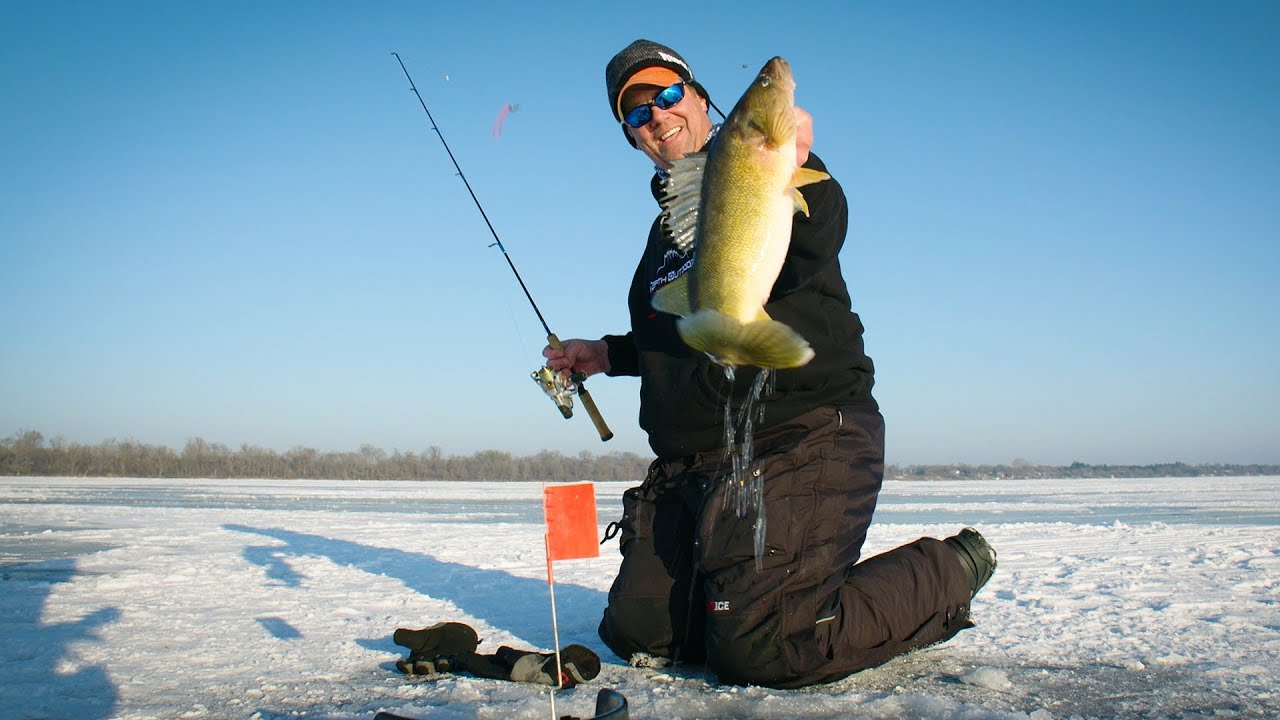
<point>763,342</point>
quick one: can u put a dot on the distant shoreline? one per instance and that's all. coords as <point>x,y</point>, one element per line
<point>31,454</point>
<point>1076,471</point>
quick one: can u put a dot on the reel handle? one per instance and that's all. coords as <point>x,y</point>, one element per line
<point>596,418</point>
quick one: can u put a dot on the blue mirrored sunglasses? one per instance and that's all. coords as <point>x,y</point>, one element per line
<point>640,115</point>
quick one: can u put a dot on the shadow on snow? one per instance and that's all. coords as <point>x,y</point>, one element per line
<point>43,677</point>
<point>517,604</point>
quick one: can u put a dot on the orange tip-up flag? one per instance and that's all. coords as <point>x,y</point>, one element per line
<point>571,521</point>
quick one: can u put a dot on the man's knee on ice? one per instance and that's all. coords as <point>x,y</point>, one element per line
<point>751,666</point>
<point>749,655</point>
<point>639,625</point>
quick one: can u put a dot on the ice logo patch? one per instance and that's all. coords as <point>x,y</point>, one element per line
<point>717,606</point>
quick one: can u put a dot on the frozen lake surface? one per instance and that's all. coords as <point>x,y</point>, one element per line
<point>263,599</point>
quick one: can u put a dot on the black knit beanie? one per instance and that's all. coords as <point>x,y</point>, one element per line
<point>635,57</point>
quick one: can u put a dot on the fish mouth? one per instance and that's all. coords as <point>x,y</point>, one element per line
<point>777,70</point>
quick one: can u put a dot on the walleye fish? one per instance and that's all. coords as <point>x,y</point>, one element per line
<point>733,204</point>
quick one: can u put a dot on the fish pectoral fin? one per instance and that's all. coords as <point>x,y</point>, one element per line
<point>682,201</point>
<point>799,205</point>
<point>673,297</point>
<point>805,176</point>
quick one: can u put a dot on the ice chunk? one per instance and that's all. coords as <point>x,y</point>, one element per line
<point>989,678</point>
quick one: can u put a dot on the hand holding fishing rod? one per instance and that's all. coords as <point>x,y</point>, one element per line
<point>555,385</point>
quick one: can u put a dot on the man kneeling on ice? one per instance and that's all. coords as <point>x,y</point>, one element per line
<point>758,574</point>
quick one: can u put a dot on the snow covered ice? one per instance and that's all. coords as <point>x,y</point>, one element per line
<point>265,600</point>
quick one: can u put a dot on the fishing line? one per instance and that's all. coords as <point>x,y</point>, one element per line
<point>483,214</point>
<point>551,383</point>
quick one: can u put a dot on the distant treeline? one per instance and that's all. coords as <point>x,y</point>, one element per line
<point>1074,470</point>
<point>30,453</point>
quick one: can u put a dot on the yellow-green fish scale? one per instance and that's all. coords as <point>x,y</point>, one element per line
<point>747,205</point>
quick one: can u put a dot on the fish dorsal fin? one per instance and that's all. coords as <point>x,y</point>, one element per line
<point>673,297</point>
<point>682,200</point>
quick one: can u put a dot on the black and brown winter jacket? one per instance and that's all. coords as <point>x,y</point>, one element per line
<point>683,393</point>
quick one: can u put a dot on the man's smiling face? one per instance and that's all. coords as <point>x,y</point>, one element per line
<point>672,133</point>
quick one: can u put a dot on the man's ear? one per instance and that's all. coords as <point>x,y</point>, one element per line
<point>701,93</point>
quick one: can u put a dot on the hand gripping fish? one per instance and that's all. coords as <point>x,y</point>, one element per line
<point>734,204</point>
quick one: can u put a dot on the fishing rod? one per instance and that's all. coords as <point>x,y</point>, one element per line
<point>560,390</point>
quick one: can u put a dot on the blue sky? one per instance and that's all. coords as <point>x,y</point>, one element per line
<point>232,220</point>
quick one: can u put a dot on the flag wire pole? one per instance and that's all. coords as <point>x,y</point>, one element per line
<point>555,629</point>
